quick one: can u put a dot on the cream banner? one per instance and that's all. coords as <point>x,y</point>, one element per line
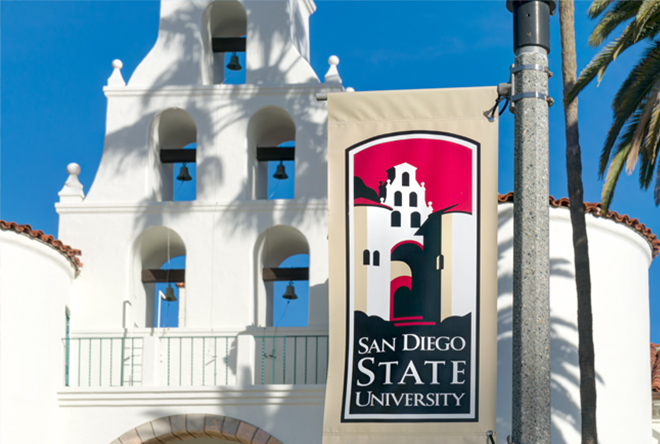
<point>413,267</point>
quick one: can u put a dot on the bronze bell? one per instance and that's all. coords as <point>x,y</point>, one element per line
<point>290,292</point>
<point>233,64</point>
<point>281,172</point>
<point>169,294</point>
<point>184,175</point>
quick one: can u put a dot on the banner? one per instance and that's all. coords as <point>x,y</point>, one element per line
<point>413,267</point>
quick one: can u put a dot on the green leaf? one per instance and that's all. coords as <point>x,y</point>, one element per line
<point>646,13</point>
<point>641,130</point>
<point>597,7</point>
<point>612,178</point>
<point>656,190</point>
<point>619,14</point>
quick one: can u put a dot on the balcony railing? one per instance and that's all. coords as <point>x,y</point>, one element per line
<point>103,361</point>
<point>179,361</point>
<point>291,359</point>
<point>195,360</point>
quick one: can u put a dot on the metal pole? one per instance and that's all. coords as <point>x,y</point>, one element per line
<point>531,307</point>
<point>160,300</point>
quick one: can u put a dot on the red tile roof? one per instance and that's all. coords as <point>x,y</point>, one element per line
<point>595,209</point>
<point>655,370</point>
<point>70,253</point>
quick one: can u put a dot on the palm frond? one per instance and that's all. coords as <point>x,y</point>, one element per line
<point>646,13</point>
<point>653,134</point>
<point>649,150</point>
<point>639,83</point>
<point>597,65</point>
<point>615,168</point>
<point>634,136</point>
<point>641,131</point>
<point>602,60</point>
<point>656,190</point>
<point>646,170</point>
<point>613,136</point>
<point>619,14</point>
<point>612,178</point>
<point>630,99</point>
<point>597,7</point>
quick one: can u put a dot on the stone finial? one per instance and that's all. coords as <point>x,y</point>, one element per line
<point>350,89</point>
<point>116,78</point>
<point>72,191</point>
<point>332,76</point>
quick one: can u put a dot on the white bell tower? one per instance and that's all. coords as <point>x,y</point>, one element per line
<point>193,139</point>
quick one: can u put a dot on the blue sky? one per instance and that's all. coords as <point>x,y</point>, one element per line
<point>56,57</point>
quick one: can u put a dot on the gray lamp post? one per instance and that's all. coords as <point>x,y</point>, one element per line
<point>531,307</point>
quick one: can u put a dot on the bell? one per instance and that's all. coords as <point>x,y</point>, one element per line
<point>184,175</point>
<point>169,294</point>
<point>281,172</point>
<point>233,64</point>
<point>290,292</point>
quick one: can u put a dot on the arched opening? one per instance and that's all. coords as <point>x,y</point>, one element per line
<point>405,179</point>
<point>376,258</point>
<point>412,199</point>
<point>215,429</point>
<point>283,260</point>
<point>271,140</point>
<point>395,219</point>
<point>174,138</point>
<point>159,264</point>
<point>225,29</point>
<point>365,257</point>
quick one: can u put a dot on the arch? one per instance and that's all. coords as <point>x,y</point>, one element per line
<point>176,428</point>
<point>365,257</point>
<point>151,250</point>
<point>395,219</point>
<point>415,220</point>
<point>271,141</point>
<point>398,199</point>
<point>376,258</point>
<point>225,20</point>
<point>412,199</point>
<point>405,179</point>
<point>173,139</point>
<point>274,247</point>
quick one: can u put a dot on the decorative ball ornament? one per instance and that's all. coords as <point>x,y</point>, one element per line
<point>333,60</point>
<point>117,64</point>
<point>73,169</point>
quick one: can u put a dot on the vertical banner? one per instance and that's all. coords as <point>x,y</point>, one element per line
<point>413,267</point>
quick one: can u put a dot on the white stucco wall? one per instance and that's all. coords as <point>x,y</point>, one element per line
<point>620,259</point>
<point>221,227</point>
<point>656,422</point>
<point>277,44</point>
<point>222,233</point>
<point>294,416</point>
<point>35,281</point>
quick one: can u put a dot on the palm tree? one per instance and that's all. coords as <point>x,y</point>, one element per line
<point>578,223</point>
<point>635,132</point>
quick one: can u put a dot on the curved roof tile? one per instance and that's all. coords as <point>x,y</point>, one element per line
<point>70,253</point>
<point>595,209</point>
<point>655,369</point>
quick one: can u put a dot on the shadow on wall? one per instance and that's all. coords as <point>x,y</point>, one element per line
<point>130,146</point>
<point>310,162</point>
<point>564,363</point>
